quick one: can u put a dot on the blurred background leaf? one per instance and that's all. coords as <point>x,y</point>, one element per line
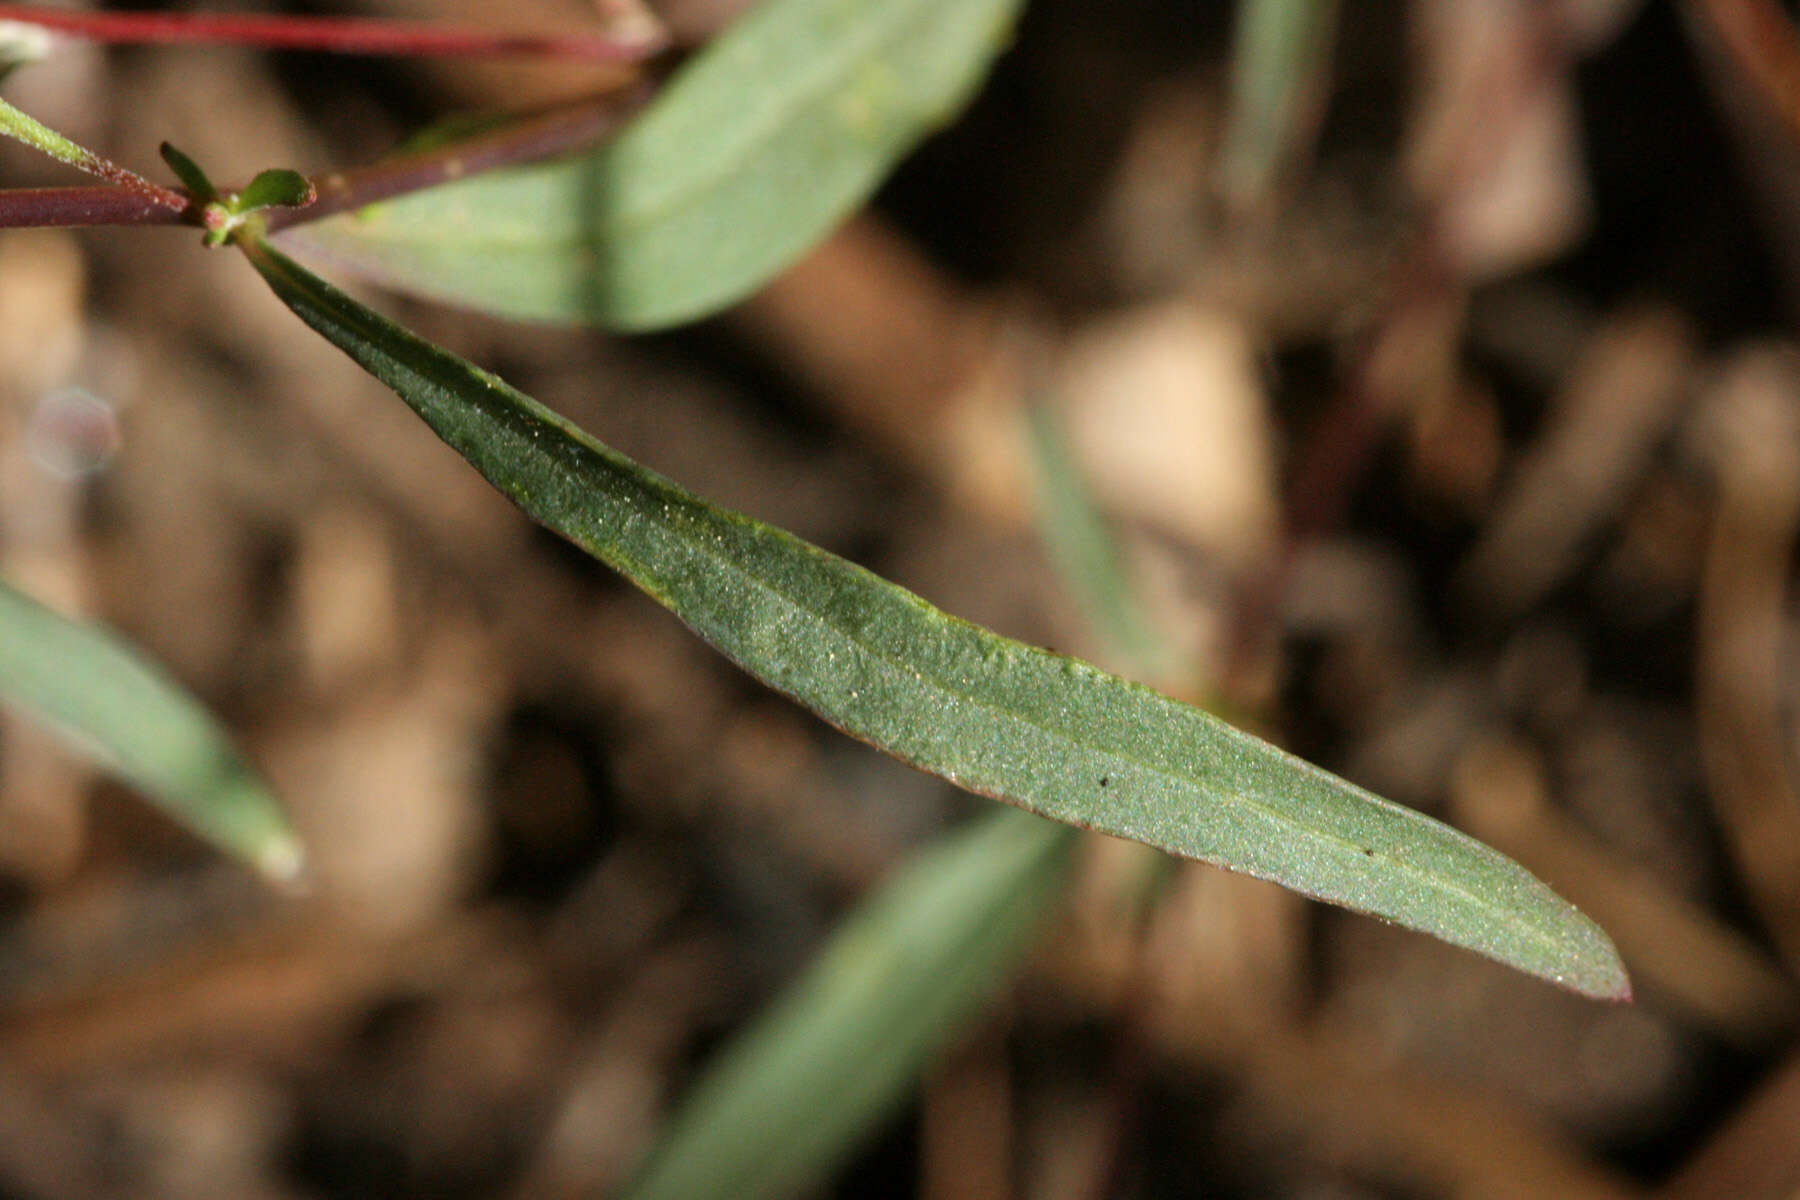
<point>132,719</point>
<point>1280,77</point>
<point>796,1089</point>
<point>767,139</point>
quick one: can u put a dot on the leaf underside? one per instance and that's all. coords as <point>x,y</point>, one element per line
<point>1050,734</point>
<point>768,138</point>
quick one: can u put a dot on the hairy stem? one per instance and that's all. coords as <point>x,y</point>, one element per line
<point>39,136</point>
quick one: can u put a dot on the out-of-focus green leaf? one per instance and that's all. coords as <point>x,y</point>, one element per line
<point>135,721</point>
<point>1051,734</point>
<point>1279,71</point>
<point>792,1093</point>
<point>1082,546</point>
<point>754,150</point>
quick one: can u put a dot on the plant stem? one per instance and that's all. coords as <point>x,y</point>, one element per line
<point>94,205</point>
<point>39,136</point>
<point>337,35</point>
<point>522,141</point>
<point>525,140</point>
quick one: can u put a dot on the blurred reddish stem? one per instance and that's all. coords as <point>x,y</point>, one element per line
<point>339,35</point>
<point>1759,35</point>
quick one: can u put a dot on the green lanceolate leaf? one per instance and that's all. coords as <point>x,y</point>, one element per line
<point>1050,734</point>
<point>789,1096</point>
<point>754,150</point>
<point>137,722</point>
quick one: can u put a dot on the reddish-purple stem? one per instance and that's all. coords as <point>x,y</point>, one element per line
<point>335,35</point>
<point>148,190</point>
<point>527,139</point>
<point>95,205</point>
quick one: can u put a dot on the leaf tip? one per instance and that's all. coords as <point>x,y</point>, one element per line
<point>1615,986</point>
<point>1596,971</point>
<point>282,861</point>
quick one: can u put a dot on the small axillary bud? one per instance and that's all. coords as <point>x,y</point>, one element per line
<point>220,220</point>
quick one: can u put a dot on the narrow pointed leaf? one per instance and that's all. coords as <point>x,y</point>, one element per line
<point>755,149</point>
<point>188,171</point>
<point>135,721</point>
<point>792,1094</point>
<point>1050,734</point>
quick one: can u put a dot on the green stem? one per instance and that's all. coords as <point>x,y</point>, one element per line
<point>525,140</point>
<point>39,136</point>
